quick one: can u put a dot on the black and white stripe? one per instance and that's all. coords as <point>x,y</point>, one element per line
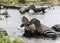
<point>35,30</point>
<point>48,32</point>
<point>56,28</point>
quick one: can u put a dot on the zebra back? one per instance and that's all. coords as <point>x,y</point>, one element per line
<point>56,28</point>
<point>48,31</point>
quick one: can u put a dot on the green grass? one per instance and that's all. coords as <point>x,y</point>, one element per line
<point>9,2</point>
<point>8,39</point>
<point>17,40</point>
<point>6,1</point>
<point>26,1</point>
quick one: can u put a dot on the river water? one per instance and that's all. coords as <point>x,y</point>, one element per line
<point>12,23</point>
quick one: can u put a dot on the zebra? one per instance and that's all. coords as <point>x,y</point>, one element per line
<point>25,22</point>
<point>38,29</point>
<point>29,29</point>
<point>36,10</point>
<point>48,32</point>
<point>24,10</point>
<point>42,9</point>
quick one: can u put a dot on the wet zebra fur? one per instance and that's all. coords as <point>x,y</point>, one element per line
<point>24,10</point>
<point>37,30</point>
<point>56,27</point>
<point>29,30</point>
<point>36,10</point>
<point>25,21</point>
<point>48,32</point>
<point>42,9</point>
<point>28,33</point>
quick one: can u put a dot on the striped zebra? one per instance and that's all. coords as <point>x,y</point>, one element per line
<point>48,32</point>
<point>26,9</point>
<point>27,30</point>
<point>37,29</point>
<point>42,9</point>
<point>25,21</point>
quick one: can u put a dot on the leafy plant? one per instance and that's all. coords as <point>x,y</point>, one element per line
<point>10,1</point>
<point>8,39</point>
<point>5,39</point>
<point>6,1</point>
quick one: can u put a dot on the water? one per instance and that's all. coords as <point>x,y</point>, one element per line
<point>12,23</point>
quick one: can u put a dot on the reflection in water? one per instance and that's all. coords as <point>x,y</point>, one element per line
<point>12,24</point>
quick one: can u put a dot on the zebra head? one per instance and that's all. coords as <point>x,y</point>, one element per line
<point>25,22</point>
